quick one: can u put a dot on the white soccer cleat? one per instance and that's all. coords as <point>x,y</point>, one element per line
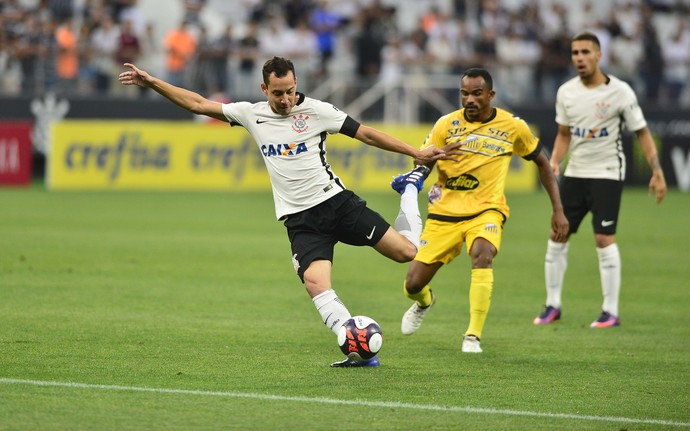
<point>412,319</point>
<point>470,344</point>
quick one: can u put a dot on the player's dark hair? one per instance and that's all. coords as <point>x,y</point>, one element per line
<point>476,72</point>
<point>278,65</point>
<point>585,35</point>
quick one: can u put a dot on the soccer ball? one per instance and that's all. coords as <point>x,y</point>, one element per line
<point>360,338</point>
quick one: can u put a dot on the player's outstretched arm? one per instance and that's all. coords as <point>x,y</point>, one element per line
<point>379,139</point>
<point>183,98</point>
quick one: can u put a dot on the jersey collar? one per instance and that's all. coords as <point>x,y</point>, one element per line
<point>300,98</point>
<point>489,118</point>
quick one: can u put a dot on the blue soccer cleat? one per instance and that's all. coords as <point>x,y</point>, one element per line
<point>350,362</point>
<point>415,177</point>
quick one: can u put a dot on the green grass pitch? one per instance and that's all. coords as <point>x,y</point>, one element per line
<point>180,311</point>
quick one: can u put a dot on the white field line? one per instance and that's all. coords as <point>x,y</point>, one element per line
<point>363,403</point>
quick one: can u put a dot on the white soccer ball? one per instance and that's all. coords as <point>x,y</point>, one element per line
<point>360,338</point>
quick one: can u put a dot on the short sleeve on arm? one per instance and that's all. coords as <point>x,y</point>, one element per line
<point>437,136</point>
<point>350,127</point>
<point>561,117</point>
<point>236,112</point>
<point>632,112</point>
<point>527,145</point>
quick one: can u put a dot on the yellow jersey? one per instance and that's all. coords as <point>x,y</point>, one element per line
<point>475,183</point>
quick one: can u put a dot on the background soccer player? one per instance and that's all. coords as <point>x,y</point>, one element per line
<point>591,109</point>
<point>467,203</point>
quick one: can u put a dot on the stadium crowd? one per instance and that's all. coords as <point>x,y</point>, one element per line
<point>77,47</point>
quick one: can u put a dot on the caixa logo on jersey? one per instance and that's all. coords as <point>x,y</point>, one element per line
<point>463,182</point>
<point>587,133</point>
<point>291,149</point>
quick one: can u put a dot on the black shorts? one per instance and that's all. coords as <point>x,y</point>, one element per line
<point>343,218</point>
<point>600,197</point>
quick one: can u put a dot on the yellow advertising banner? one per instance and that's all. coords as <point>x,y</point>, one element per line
<point>153,155</point>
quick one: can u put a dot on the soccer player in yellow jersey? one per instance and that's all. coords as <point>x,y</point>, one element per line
<point>467,202</point>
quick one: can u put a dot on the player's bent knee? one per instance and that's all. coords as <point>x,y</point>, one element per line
<point>413,284</point>
<point>408,253</point>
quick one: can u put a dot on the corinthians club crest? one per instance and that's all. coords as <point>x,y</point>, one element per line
<point>300,125</point>
<point>602,110</point>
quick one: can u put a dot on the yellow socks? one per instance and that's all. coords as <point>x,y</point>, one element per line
<point>480,299</point>
<point>423,297</point>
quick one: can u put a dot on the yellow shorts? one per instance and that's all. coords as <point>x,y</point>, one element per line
<point>442,241</point>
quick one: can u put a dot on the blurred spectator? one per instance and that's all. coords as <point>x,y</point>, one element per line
<point>27,50</point>
<point>441,49</point>
<point>676,55</point>
<point>627,16</point>
<point>444,34</point>
<point>430,19</point>
<point>150,55</point>
<point>180,47</point>
<point>553,20</point>
<point>61,10</point>
<point>553,67</point>
<point>128,51</point>
<point>493,16</point>
<point>304,53</point>
<point>200,69</point>
<point>133,13</point>
<point>276,39</point>
<point>465,55</point>
<point>210,68</point>
<point>516,57</point>
<point>48,56</point>
<point>87,72</point>
<point>246,79</point>
<point>67,62</point>
<point>375,27</point>
<point>128,48</point>
<point>324,23</point>
<point>222,49</point>
<point>652,69</point>
<point>391,61</point>
<point>105,41</point>
<point>626,54</point>
<point>192,11</point>
<point>414,52</point>
<point>599,28</point>
<point>10,72</point>
<point>368,46</point>
<point>296,11</point>
<point>485,49</point>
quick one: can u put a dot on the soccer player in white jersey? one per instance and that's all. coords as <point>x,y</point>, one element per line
<point>290,130</point>
<point>591,110</point>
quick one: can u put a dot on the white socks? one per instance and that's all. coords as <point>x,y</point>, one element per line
<point>610,271</point>
<point>333,312</point>
<point>555,264</point>
<point>409,220</point>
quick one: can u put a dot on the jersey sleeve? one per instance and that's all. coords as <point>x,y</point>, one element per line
<point>561,117</point>
<point>237,112</point>
<point>632,112</point>
<point>526,143</point>
<point>330,117</point>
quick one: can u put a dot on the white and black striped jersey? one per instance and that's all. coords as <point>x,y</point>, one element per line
<point>294,148</point>
<point>596,117</point>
